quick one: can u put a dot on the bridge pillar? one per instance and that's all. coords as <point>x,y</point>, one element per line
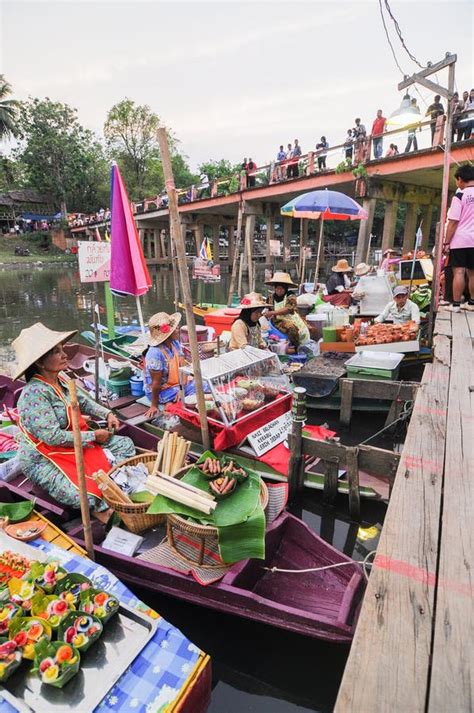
<point>389,225</point>
<point>286,240</point>
<point>198,237</point>
<point>365,229</point>
<point>270,220</point>
<point>410,228</point>
<point>156,240</point>
<point>163,236</point>
<point>215,232</point>
<point>427,218</point>
<point>231,243</point>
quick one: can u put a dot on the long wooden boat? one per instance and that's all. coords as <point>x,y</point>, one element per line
<point>146,436</point>
<point>194,695</point>
<point>203,308</point>
<point>116,345</point>
<point>320,604</point>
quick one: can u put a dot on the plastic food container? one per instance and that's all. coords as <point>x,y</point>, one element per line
<point>382,365</point>
<point>329,334</point>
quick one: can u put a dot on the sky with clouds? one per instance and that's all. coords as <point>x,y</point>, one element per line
<point>231,78</point>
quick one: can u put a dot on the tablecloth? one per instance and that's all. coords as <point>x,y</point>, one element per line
<point>157,675</point>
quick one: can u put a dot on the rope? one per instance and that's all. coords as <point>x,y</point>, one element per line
<point>399,33</point>
<point>406,412</point>
<point>365,563</point>
<point>389,40</point>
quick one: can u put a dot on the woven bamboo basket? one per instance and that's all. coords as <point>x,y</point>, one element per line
<point>201,537</point>
<point>134,516</point>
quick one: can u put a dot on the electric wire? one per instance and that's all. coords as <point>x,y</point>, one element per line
<point>400,36</point>
<point>389,40</point>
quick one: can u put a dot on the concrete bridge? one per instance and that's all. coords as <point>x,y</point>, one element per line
<point>413,179</point>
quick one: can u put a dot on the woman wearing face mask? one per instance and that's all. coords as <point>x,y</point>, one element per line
<point>246,331</point>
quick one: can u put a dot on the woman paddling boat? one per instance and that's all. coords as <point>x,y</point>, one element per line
<point>245,330</point>
<point>46,449</point>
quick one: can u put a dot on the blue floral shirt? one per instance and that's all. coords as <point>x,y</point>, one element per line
<point>156,360</point>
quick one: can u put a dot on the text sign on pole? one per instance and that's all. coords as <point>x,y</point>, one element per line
<point>270,435</point>
<point>94,261</point>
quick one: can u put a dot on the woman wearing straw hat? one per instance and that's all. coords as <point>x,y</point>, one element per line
<point>162,361</point>
<point>284,314</point>
<point>338,285</point>
<point>245,330</point>
<point>46,449</point>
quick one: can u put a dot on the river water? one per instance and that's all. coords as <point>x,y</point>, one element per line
<point>256,669</point>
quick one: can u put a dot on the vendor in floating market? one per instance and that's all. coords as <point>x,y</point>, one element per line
<point>339,285</point>
<point>245,330</point>
<point>162,361</point>
<point>360,270</point>
<point>46,448</point>
<point>284,314</point>
<point>400,309</point>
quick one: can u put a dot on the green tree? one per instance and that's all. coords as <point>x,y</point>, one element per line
<point>8,111</point>
<point>60,157</point>
<point>219,169</point>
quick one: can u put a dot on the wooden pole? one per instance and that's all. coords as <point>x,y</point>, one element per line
<point>81,478</point>
<point>177,238</point>
<point>97,343</point>
<point>320,250</point>
<point>235,257</point>
<point>296,464</point>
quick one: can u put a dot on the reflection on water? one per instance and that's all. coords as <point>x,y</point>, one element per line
<point>256,669</point>
<point>56,296</point>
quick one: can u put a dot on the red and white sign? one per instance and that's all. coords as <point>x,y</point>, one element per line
<point>94,261</point>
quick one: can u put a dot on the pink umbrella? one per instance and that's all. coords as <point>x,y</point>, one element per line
<point>129,273</point>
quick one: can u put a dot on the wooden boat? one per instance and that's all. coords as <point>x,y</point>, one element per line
<point>203,308</point>
<point>194,696</point>
<point>321,604</point>
<point>146,436</point>
<point>116,346</point>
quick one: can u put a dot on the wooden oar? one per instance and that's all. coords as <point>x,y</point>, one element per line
<point>81,478</point>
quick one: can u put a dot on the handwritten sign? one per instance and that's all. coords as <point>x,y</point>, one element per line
<point>206,270</point>
<point>270,435</point>
<point>121,541</point>
<point>94,261</point>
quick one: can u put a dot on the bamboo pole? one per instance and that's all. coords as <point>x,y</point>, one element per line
<point>235,257</point>
<point>177,238</point>
<point>81,478</point>
<point>320,249</point>
<point>296,463</point>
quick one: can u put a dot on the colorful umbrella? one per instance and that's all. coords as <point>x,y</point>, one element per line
<point>324,205</point>
<point>128,270</point>
<point>327,205</point>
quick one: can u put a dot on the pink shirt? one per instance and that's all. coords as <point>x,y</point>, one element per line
<point>462,210</point>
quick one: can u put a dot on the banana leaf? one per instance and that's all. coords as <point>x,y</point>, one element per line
<point>17,511</point>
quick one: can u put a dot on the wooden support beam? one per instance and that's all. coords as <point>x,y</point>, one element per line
<point>389,225</point>
<point>410,228</point>
<point>215,232</point>
<point>365,229</point>
<point>287,224</point>
<point>373,460</point>
<point>330,480</point>
<point>296,464</point>
<point>270,233</point>
<point>347,388</point>
<point>249,233</point>
<point>384,390</point>
<point>352,466</point>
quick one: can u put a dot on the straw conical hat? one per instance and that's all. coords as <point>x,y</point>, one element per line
<point>362,269</point>
<point>253,300</point>
<point>342,266</point>
<point>162,325</point>
<point>281,278</point>
<point>33,343</point>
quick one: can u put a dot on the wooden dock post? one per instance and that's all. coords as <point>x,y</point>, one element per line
<point>330,480</point>
<point>347,388</point>
<point>296,464</point>
<point>352,465</point>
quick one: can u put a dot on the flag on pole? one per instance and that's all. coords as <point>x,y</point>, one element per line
<point>107,236</point>
<point>205,250</point>
<point>129,273</point>
<point>97,235</point>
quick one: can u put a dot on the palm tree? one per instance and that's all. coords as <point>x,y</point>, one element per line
<point>8,111</point>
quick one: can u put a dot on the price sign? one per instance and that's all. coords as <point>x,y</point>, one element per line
<point>94,261</point>
<point>270,435</point>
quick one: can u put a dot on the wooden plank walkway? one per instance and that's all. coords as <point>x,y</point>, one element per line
<point>413,647</point>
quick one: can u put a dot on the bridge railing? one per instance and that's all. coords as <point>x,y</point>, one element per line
<point>407,140</point>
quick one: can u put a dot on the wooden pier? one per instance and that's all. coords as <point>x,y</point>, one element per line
<point>413,648</point>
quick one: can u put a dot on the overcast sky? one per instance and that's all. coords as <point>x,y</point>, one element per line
<point>232,79</point>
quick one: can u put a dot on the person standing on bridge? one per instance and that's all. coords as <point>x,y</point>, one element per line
<point>459,237</point>
<point>322,149</point>
<point>360,141</point>
<point>378,128</point>
<point>434,110</point>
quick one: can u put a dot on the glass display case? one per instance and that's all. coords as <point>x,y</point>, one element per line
<point>237,384</point>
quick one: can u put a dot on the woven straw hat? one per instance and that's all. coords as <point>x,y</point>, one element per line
<point>281,278</point>
<point>342,266</point>
<point>253,300</point>
<point>362,269</point>
<point>162,326</point>
<point>33,343</point>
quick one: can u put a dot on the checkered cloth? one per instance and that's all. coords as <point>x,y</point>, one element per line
<point>166,556</point>
<point>159,673</point>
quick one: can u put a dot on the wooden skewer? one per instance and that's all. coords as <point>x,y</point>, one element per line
<point>179,495</point>
<point>159,456</point>
<point>185,486</point>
